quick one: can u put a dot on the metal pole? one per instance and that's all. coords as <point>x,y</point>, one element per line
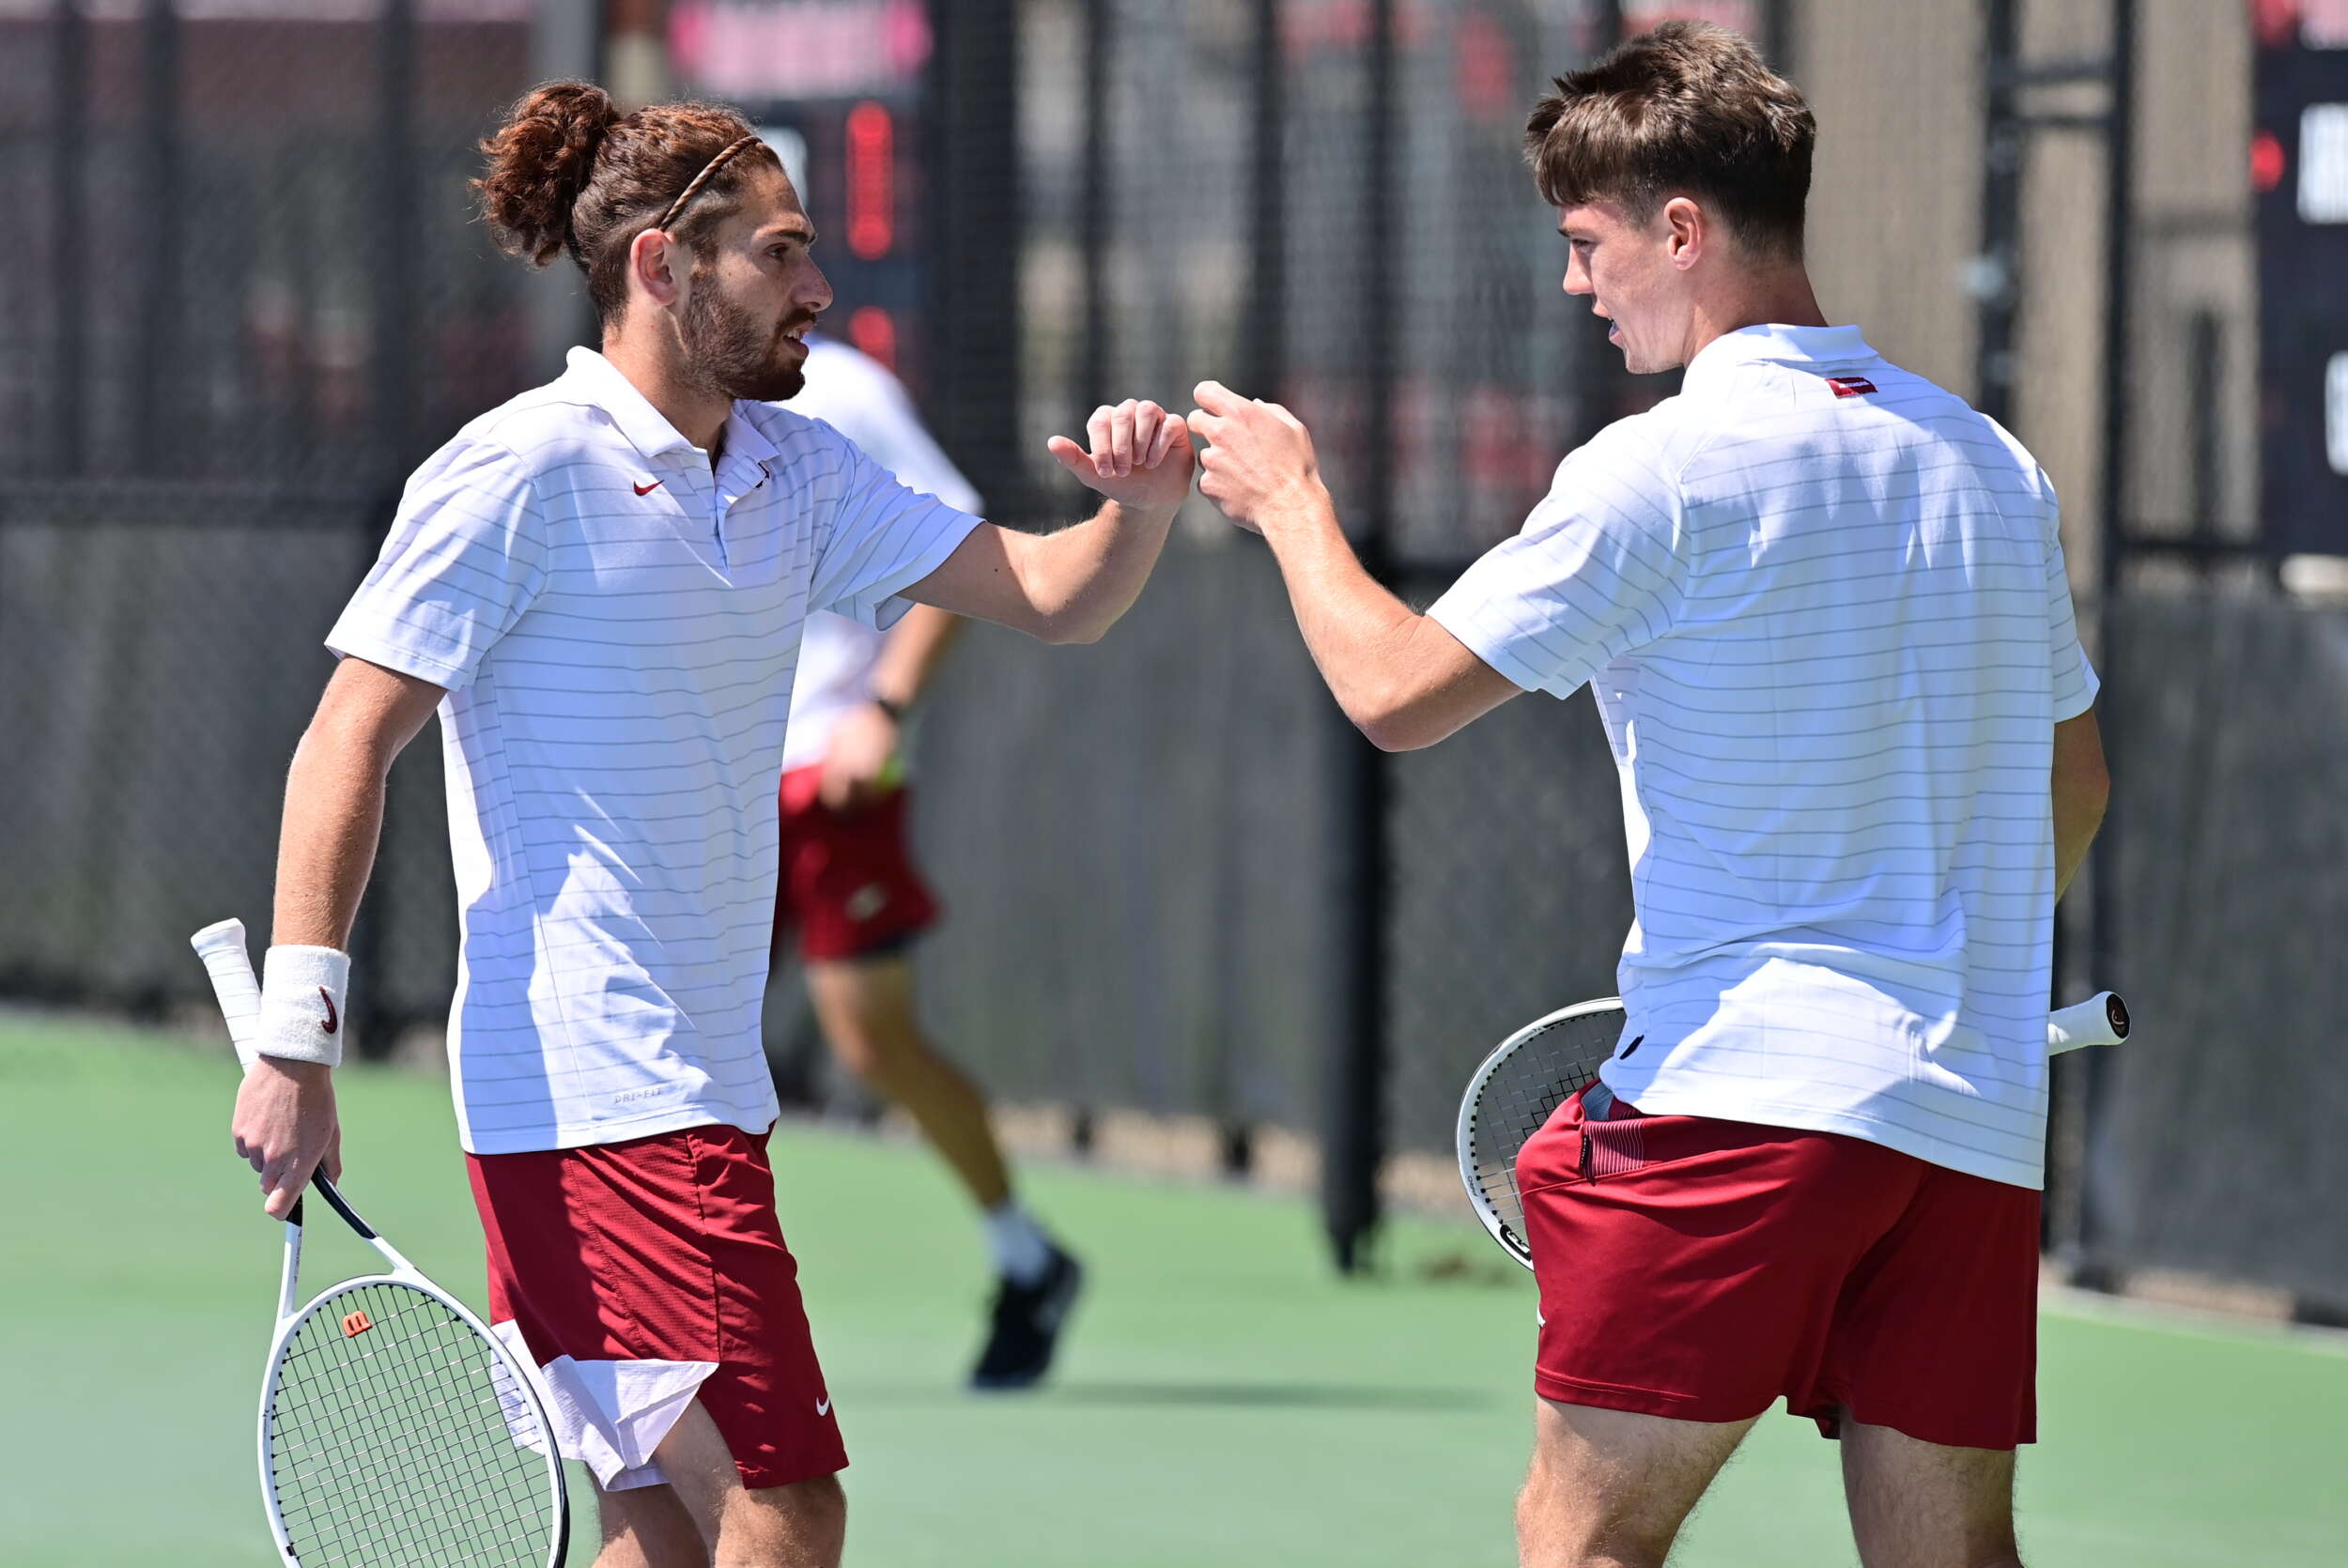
<point>2119,234</point>
<point>1995,289</point>
<point>69,371</point>
<point>1092,220</point>
<point>1353,1136</point>
<point>395,255</point>
<point>1995,280</point>
<point>155,343</point>
<point>396,259</point>
<point>1778,37</point>
<point>2205,352</point>
<point>2112,549</point>
<point>1263,343</point>
<point>1263,372</point>
<point>977,213</point>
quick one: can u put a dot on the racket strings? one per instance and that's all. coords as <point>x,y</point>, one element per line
<point>390,1446</point>
<point>402,1499</point>
<point>1521,1093</point>
<point>410,1512</point>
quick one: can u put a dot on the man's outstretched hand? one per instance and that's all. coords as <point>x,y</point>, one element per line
<point>1141,455</point>
<point>1256,459</point>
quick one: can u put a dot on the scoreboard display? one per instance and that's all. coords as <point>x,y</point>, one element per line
<point>2299,172</point>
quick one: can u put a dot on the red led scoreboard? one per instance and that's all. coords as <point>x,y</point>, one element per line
<point>835,86</point>
<point>2299,171</point>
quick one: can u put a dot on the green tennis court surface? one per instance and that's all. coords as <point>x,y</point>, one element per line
<point>1224,1399</point>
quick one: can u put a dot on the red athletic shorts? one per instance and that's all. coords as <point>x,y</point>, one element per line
<point>1699,1270</point>
<point>848,878</point>
<point>662,1249</point>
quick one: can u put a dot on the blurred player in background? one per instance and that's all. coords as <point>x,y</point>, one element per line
<point>1823,606</point>
<point>849,882</point>
<point>599,587</point>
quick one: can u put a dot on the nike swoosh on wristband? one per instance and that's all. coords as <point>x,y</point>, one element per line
<point>648,489</point>
<point>328,997</point>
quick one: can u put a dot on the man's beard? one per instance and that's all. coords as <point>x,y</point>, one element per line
<point>730,354</point>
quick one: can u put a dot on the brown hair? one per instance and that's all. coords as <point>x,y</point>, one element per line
<point>1688,109</point>
<point>569,172</point>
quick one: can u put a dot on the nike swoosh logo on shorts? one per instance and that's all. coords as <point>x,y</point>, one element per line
<point>823,1406</point>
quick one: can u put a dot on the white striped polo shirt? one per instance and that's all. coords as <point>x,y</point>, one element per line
<point>849,390</point>
<point>1823,606</point>
<point>617,626</point>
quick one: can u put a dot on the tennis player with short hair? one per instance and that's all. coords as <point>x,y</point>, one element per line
<point>600,587</point>
<point>1823,606</point>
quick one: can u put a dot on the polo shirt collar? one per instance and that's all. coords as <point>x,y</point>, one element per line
<point>646,428</point>
<point>746,441</point>
<point>1775,343</point>
<point>600,382</point>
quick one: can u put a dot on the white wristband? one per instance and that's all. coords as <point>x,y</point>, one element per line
<point>302,1004</point>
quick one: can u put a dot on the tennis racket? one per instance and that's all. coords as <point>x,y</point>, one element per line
<point>1534,1071</point>
<point>395,1428</point>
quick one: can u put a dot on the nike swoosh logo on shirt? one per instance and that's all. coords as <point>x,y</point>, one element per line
<point>648,489</point>
<point>823,1406</point>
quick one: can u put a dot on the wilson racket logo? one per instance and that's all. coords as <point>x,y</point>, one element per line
<point>356,1322</point>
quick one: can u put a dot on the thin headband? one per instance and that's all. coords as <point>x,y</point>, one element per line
<point>701,180</point>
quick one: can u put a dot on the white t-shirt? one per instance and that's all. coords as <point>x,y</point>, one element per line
<point>1823,605</point>
<point>850,392</point>
<point>616,627</point>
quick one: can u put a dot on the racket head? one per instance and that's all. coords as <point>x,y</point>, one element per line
<point>396,1429</point>
<point>1524,1080</point>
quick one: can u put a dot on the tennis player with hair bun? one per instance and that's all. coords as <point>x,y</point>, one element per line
<point>1823,607</point>
<point>600,588</point>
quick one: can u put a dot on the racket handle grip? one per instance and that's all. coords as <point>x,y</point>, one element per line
<point>2101,1020</point>
<point>220,945</point>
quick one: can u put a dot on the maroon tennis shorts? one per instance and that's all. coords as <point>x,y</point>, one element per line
<point>848,880</point>
<point>1700,1269</point>
<point>665,1251</point>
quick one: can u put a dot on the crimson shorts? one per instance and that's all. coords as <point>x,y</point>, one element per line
<point>660,1250</point>
<point>1700,1269</point>
<point>848,879</point>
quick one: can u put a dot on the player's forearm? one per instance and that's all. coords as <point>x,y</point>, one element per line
<point>1359,634</point>
<point>2077,818</point>
<point>2080,787</point>
<point>913,652</point>
<point>327,845</point>
<point>334,799</point>
<point>1080,581</point>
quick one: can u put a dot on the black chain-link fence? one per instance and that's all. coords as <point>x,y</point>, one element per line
<point>2211,1138</point>
<point>252,296</point>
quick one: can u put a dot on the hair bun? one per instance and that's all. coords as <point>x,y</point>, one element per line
<point>540,160</point>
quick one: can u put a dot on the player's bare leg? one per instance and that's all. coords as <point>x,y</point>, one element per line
<point>799,1526</point>
<point>1610,1489</point>
<point>865,1008</point>
<point>1915,1505</point>
<point>647,1526</point>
